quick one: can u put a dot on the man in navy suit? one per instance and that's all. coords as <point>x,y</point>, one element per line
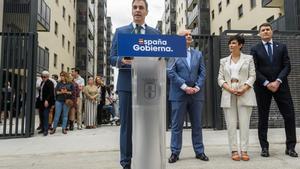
<point>138,26</point>
<point>272,68</point>
<point>187,76</point>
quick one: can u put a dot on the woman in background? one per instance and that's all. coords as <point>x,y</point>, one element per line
<point>91,100</point>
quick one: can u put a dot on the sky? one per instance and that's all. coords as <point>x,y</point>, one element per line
<point>120,12</point>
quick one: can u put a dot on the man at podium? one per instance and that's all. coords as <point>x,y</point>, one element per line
<point>124,88</point>
<point>187,76</point>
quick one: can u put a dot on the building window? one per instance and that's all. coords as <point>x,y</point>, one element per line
<point>68,69</point>
<point>69,46</point>
<point>213,14</point>
<point>63,40</point>
<point>252,4</point>
<point>229,24</point>
<point>227,2</point>
<point>220,30</point>
<point>56,2</point>
<point>74,27</point>
<point>69,20</point>
<point>74,4</point>
<point>64,12</point>
<point>240,10</point>
<point>220,7</point>
<point>55,60</point>
<point>56,28</point>
<point>254,28</point>
<point>62,67</point>
<point>270,19</point>
<point>73,51</point>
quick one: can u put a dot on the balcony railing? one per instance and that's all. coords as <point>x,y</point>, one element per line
<point>43,16</point>
<point>279,24</point>
<point>42,60</point>
<point>192,16</point>
<point>190,4</point>
<point>272,3</point>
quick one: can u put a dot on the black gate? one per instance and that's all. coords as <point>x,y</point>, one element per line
<point>17,81</point>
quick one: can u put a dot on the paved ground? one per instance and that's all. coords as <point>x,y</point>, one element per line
<point>98,149</point>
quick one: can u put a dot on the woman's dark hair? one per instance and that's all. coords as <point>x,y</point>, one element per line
<point>240,39</point>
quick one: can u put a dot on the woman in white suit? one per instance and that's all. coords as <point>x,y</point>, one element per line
<point>236,78</point>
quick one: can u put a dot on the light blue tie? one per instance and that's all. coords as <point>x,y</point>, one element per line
<point>188,57</point>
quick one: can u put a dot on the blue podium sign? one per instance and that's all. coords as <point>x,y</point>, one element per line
<point>139,45</point>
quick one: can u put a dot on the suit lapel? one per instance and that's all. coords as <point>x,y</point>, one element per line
<point>227,65</point>
<point>275,51</point>
<point>241,61</point>
<point>263,49</point>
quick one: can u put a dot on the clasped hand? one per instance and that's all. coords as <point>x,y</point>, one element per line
<point>191,90</point>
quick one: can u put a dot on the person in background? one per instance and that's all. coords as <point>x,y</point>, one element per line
<point>236,78</point>
<point>73,108</point>
<point>47,100</point>
<point>63,91</point>
<point>91,100</point>
<point>80,81</point>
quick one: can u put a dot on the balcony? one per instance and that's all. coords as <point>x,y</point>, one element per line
<point>272,3</point>
<point>192,17</point>
<point>195,31</point>
<point>279,24</point>
<point>191,4</point>
<point>42,60</point>
<point>43,16</point>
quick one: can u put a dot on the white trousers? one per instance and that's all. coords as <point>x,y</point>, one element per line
<point>237,113</point>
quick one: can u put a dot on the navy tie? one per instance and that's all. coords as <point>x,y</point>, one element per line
<point>270,52</point>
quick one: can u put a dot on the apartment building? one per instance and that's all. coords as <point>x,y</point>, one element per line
<point>240,15</point>
<point>86,51</point>
<point>181,15</point>
<point>198,16</point>
<point>110,71</point>
<point>170,17</point>
<point>60,42</point>
<point>102,39</point>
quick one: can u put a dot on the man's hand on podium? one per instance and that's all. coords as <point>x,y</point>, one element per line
<point>126,61</point>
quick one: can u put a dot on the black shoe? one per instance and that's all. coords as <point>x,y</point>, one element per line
<point>45,133</point>
<point>291,152</point>
<point>265,152</point>
<point>173,158</point>
<point>41,132</point>
<point>127,167</point>
<point>202,157</point>
<point>71,128</point>
<point>39,128</point>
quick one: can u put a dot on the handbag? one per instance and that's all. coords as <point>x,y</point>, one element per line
<point>69,102</point>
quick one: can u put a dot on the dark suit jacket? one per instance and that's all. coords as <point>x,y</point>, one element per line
<point>47,93</point>
<point>124,77</point>
<point>265,70</point>
<point>180,73</point>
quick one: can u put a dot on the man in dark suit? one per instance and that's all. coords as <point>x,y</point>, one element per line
<point>187,76</point>
<point>47,100</point>
<point>272,68</point>
<point>138,26</point>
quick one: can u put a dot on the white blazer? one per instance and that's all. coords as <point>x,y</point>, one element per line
<point>247,76</point>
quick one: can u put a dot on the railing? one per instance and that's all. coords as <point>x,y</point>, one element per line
<point>17,82</point>
<point>192,15</point>
<point>43,16</point>
<point>42,60</point>
<point>279,24</point>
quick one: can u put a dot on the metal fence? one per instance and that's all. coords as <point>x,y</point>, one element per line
<point>17,80</point>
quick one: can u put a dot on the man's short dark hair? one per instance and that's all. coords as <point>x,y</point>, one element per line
<point>265,25</point>
<point>76,70</point>
<point>146,3</point>
<point>240,39</point>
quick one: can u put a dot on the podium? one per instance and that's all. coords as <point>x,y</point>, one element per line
<point>149,94</point>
